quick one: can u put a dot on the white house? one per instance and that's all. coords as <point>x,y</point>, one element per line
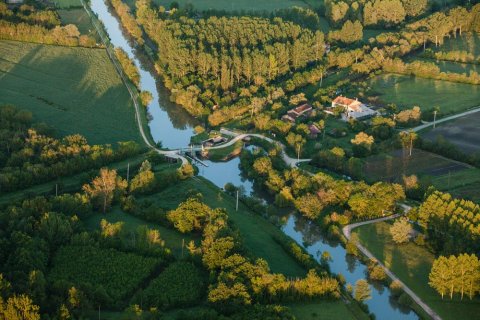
<point>353,109</point>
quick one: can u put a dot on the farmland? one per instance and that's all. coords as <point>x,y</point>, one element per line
<point>80,18</point>
<point>392,166</point>
<point>65,4</point>
<point>407,92</point>
<point>412,264</point>
<point>76,90</point>
<point>463,132</point>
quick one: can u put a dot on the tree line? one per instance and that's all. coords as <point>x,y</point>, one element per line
<point>30,155</point>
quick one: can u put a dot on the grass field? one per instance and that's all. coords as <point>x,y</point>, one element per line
<point>412,264</point>
<point>463,184</point>
<point>463,132</point>
<point>469,42</point>
<point>407,92</point>
<point>75,90</point>
<point>256,232</point>
<point>65,4</point>
<point>80,18</point>
<point>172,238</point>
<point>323,310</point>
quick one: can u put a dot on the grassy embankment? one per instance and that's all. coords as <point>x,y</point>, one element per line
<point>74,90</point>
<point>412,264</point>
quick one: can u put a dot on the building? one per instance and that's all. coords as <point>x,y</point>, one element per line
<point>305,110</point>
<point>352,109</point>
<point>314,131</point>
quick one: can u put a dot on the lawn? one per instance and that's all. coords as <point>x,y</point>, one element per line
<point>233,5</point>
<point>74,90</point>
<point>406,92</point>
<point>257,233</point>
<point>412,264</point>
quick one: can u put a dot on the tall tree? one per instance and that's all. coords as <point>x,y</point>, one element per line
<point>103,188</point>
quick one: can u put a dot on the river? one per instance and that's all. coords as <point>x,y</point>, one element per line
<point>173,127</point>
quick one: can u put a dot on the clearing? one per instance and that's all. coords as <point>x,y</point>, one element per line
<point>412,264</point>
<point>74,90</point>
<point>406,92</point>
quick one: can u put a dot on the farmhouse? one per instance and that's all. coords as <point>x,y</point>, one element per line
<point>352,109</point>
<point>301,111</point>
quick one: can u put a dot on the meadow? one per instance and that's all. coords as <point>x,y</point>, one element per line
<point>412,264</point>
<point>80,18</point>
<point>75,90</point>
<point>65,4</point>
<point>469,42</point>
<point>406,92</point>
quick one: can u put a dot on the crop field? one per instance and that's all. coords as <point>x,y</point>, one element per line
<point>234,5</point>
<point>391,167</point>
<point>117,272</point>
<point>463,184</point>
<point>80,18</point>
<point>406,92</point>
<point>76,90</point>
<point>412,264</point>
<point>463,132</point>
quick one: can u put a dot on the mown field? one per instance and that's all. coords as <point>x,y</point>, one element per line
<point>412,264</point>
<point>463,132</point>
<point>406,92</point>
<point>75,90</point>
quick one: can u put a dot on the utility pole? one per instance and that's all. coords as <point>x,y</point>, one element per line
<point>236,206</point>
<point>411,143</point>
<point>98,312</point>
<point>128,172</point>
<point>434,118</point>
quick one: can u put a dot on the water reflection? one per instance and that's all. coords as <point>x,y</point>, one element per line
<point>171,124</point>
<point>303,232</point>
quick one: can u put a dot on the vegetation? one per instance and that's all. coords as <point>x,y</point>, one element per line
<point>181,284</point>
<point>58,84</point>
<point>401,231</point>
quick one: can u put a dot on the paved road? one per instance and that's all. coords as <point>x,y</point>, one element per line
<point>429,124</point>
<point>347,232</point>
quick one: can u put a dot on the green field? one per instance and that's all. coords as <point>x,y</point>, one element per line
<point>80,18</point>
<point>406,92</point>
<point>469,42</point>
<point>172,238</point>
<point>64,4</point>
<point>324,310</point>
<point>232,5</point>
<point>412,264</point>
<point>75,90</point>
<point>462,184</point>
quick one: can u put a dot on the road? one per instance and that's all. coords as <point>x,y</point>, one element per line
<point>347,232</point>
<point>429,124</point>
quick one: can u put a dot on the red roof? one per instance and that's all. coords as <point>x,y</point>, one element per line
<point>344,101</point>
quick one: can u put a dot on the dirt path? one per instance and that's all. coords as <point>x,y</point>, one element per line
<point>347,232</point>
<point>429,124</point>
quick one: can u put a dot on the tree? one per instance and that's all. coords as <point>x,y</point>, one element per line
<point>362,144</point>
<point>439,275</point>
<point>296,141</point>
<point>401,230</point>
<point>144,180</point>
<point>19,308</point>
<point>350,32</point>
<point>102,188</point>
<point>362,290</point>
<point>407,138</point>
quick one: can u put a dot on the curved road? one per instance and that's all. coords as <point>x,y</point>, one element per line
<point>429,124</point>
<point>347,232</point>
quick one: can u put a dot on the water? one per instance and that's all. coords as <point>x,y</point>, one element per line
<point>171,124</point>
<point>173,127</point>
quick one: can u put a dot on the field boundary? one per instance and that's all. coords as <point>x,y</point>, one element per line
<point>347,232</point>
